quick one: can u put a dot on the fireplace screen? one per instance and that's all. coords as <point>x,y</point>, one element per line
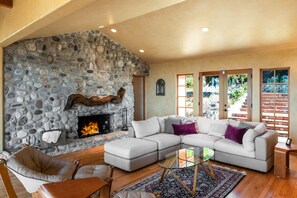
<point>93,125</point>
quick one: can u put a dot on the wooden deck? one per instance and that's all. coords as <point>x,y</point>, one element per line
<point>255,184</point>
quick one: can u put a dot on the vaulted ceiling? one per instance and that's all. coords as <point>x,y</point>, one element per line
<point>169,30</point>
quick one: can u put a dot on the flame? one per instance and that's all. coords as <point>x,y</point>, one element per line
<point>90,129</point>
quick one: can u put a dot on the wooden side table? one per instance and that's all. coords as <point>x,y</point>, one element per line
<point>281,158</point>
<point>74,188</point>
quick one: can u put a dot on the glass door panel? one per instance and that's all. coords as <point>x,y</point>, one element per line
<point>237,96</point>
<point>210,97</point>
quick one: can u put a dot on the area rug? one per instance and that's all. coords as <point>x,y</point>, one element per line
<point>225,180</point>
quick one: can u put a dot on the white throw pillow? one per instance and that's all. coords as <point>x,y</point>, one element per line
<point>161,120</point>
<point>249,137</point>
<point>218,129</point>
<point>234,123</point>
<point>204,124</point>
<point>146,127</point>
<point>261,128</point>
<point>248,140</point>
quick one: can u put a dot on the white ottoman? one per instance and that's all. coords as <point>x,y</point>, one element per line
<point>130,154</point>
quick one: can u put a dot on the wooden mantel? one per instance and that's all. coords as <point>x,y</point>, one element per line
<point>6,3</point>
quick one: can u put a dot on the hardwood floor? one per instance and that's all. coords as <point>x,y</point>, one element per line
<point>254,184</point>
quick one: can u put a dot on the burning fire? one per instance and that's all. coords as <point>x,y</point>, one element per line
<point>90,129</point>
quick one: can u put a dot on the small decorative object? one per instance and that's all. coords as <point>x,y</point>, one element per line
<point>160,87</point>
<point>289,141</point>
<point>124,119</point>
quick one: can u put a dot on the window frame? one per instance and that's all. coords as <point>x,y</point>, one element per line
<point>177,93</point>
<point>288,84</point>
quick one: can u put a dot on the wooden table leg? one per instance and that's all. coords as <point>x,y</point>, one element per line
<point>280,163</point>
<point>164,174</point>
<point>195,180</point>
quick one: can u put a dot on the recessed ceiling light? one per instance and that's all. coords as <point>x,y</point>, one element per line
<point>141,50</point>
<point>101,26</point>
<point>204,29</point>
<point>113,30</point>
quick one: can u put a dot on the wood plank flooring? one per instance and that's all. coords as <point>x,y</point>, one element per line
<point>255,184</point>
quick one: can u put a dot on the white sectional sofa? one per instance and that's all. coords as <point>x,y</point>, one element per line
<point>154,137</point>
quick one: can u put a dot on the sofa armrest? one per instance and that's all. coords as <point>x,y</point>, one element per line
<point>264,145</point>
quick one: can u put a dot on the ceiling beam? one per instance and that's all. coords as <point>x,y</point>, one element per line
<point>6,3</point>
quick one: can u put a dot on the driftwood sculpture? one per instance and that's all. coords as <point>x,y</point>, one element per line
<point>74,99</point>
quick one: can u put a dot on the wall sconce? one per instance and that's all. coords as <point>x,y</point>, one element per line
<point>124,119</point>
<point>160,87</point>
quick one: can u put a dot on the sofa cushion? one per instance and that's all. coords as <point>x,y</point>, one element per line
<point>228,146</point>
<point>161,120</point>
<point>235,133</point>
<point>248,139</point>
<point>261,128</point>
<point>200,139</point>
<point>146,127</point>
<point>130,148</point>
<point>184,129</point>
<point>164,140</point>
<point>204,124</point>
<point>168,124</point>
<point>218,128</point>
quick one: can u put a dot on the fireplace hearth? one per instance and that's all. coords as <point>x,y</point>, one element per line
<point>93,125</point>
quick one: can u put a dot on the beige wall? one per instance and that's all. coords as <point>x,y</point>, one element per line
<point>166,105</point>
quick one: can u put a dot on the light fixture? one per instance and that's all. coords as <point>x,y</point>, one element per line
<point>113,30</point>
<point>141,50</point>
<point>204,29</point>
<point>101,26</point>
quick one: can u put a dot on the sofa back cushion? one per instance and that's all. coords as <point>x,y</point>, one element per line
<point>184,129</point>
<point>218,128</point>
<point>146,127</point>
<point>249,137</point>
<point>235,133</point>
<point>204,124</point>
<point>168,124</point>
<point>161,120</point>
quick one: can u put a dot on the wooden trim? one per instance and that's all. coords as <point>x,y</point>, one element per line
<point>6,3</point>
<point>143,113</point>
<point>6,180</point>
<point>1,100</point>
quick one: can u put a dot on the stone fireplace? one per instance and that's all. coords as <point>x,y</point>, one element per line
<point>39,75</point>
<point>94,125</point>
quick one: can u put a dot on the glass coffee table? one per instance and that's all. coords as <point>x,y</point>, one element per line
<point>186,158</point>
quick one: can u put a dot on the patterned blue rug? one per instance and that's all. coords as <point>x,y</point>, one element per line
<point>225,180</point>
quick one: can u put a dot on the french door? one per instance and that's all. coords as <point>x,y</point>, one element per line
<point>226,94</point>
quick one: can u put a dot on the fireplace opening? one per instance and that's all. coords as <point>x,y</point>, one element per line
<point>93,125</point>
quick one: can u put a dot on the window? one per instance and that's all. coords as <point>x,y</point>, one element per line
<point>275,100</point>
<point>185,100</point>
<point>226,94</point>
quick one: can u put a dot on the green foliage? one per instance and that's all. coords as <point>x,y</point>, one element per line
<point>189,81</point>
<point>237,93</point>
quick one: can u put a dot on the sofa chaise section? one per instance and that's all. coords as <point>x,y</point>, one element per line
<point>166,143</point>
<point>261,159</point>
<point>130,154</point>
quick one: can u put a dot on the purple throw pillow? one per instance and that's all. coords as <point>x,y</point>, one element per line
<point>235,133</point>
<point>184,129</point>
